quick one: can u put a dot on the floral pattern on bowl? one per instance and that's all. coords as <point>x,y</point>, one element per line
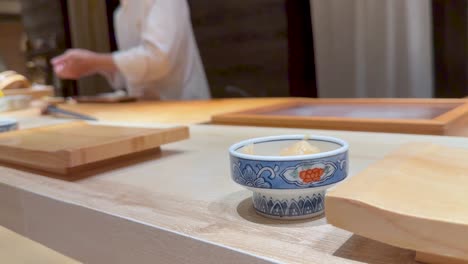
<point>251,178</point>
<point>308,174</point>
<point>290,187</point>
<point>289,174</point>
<point>297,207</point>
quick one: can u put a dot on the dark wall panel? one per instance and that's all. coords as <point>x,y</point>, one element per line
<point>450,33</point>
<point>243,45</point>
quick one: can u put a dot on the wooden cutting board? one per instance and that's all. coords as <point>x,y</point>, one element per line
<point>36,92</point>
<point>415,198</point>
<point>68,147</point>
<point>413,116</point>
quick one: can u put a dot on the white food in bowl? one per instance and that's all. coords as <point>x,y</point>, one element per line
<point>298,148</point>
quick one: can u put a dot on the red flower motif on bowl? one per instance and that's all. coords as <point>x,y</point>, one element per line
<point>311,175</point>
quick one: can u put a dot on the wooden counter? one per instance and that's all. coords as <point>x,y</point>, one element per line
<point>18,249</point>
<point>181,206</point>
<point>182,112</point>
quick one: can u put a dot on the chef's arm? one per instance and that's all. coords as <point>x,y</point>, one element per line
<point>162,32</point>
<point>77,63</point>
<point>105,63</point>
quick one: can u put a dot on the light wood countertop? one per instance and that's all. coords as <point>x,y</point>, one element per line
<point>181,206</point>
<point>176,112</point>
<point>16,249</point>
<point>170,112</point>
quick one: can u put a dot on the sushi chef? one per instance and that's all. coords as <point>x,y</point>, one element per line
<point>158,57</point>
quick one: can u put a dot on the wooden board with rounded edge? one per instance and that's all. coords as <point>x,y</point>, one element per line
<point>61,148</point>
<point>13,81</point>
<point>414,198</point>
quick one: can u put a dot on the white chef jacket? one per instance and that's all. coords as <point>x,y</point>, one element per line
<point>158,57</point>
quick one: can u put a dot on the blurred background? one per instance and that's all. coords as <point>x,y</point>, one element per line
<point>268,48</point>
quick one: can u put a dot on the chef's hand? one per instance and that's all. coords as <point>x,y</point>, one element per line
<point>77,63</point>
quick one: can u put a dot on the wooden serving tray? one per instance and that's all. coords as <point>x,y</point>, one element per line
<point>66,148</point>
<point>415,116</point>
<point>415,198</point>
<point>36,92</point>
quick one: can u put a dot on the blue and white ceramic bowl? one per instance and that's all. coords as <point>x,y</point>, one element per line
<point>8,124</point>
<point>289,187</point>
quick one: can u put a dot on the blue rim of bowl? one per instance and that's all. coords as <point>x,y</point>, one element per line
<point>7,122</point>
<point>233,150</point>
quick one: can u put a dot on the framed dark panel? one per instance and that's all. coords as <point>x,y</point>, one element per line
<point>256,48</point>
<point>450,35</point>
<point>243,46</point>
<point>111,6</point>
<point>301,59</point>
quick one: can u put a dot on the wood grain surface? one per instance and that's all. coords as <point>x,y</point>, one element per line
<point>414,198</point>
<point>413,116</point>
<point>181,206</point>
<point>176,112</point>
<point>136,211</point>
<point>36,92</point>
<point>193,112</point>
<point>16,249</point>
<point>436,259</point>
<point>63,147</point>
